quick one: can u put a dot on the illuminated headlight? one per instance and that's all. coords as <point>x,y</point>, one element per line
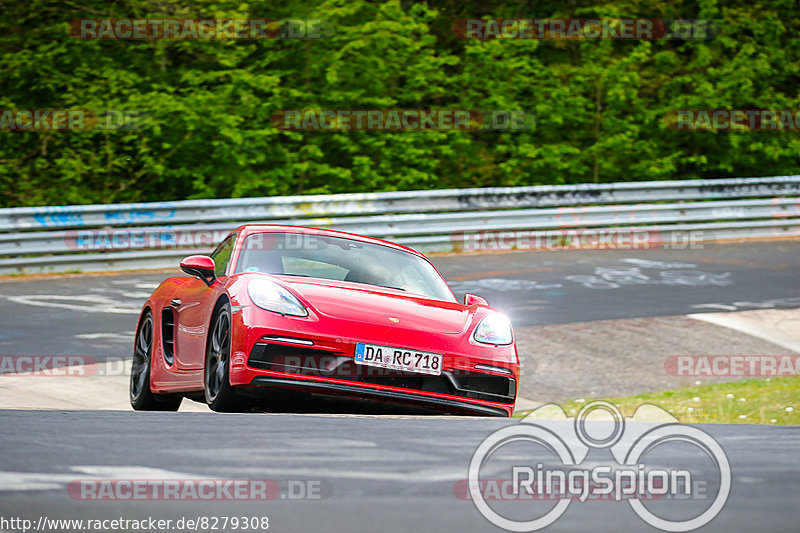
<point>272,297</point>
<point>494,329</point>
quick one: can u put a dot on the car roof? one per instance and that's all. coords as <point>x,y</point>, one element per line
<point>248,229</point>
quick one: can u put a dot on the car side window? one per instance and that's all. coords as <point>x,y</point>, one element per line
<point>222,255</point>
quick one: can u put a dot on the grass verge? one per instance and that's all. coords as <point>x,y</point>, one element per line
<point>753,401</point>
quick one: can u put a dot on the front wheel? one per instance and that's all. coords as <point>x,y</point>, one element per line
<point>141,396</point>
<point>220,395</point>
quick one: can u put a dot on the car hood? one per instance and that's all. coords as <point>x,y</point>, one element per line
<point>368,304</point>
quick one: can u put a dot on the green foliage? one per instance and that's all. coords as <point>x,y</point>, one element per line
<point>599,105</point>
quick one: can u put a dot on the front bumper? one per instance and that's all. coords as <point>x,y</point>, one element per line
<point>323,363</point>
<point>384,395</point>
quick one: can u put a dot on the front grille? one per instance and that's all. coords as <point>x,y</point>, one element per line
<point>486,386</point>
<point>317,362</point>
<point>292,359</point>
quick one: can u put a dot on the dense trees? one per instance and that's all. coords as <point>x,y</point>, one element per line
<point>206,105</point>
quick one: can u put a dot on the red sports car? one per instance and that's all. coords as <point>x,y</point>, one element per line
<point>277,311</point>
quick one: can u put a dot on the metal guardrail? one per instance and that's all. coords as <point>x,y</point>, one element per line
<point>155,235</point>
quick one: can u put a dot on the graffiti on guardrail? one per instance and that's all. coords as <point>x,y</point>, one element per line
<point>73,216</point>
<point>500,285</point>
<point>605,278</point>
<point>134,216</point>
<point>58,216</point>
<point>575,194</point>
<point>455,220</point>
<point>741,189</point>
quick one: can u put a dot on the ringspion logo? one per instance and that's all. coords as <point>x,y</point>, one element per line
<point>538,464</point>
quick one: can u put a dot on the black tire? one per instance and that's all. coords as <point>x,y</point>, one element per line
<point>220,395</point>
<point>141,396</point>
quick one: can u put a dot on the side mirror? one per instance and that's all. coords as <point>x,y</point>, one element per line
<point>201,266</point>
<point>471,299</point>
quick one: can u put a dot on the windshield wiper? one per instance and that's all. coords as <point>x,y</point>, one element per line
<point>387,286</point>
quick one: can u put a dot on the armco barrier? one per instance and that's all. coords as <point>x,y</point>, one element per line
<point>155,235</point>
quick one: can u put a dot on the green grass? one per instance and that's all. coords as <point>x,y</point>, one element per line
<point>753,401</point>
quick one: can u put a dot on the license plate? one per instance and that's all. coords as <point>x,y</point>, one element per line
<point>398,358</point>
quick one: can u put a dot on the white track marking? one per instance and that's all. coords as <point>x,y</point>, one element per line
<point>104,387</point>
<point>425,475</point>
<point>111,336</point>
<point>136,295</point>
<point>110,293</point>
<point>746,304</point>
<point>615,277</point>
<point>37,481</point>
<point>92,304</point>
<point>645,263</point>
<point>716,306</point>
<point>133,472</point>
<point>502,285</point>
<point>778,326</point>
<point>139,284</point>
<point>24,481</point>
<point>524,404</point>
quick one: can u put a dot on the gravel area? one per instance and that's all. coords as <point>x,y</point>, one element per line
<point>621,357</point>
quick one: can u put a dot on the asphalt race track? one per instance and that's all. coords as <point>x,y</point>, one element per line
<point>376,473</point>
<point>95,315</point>
<point>372,474</point>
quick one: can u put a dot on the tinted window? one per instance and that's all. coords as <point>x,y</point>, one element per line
<point>341,259</point>
<point>222,255</point>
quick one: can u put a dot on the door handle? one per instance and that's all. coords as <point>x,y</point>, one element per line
<point>175,302</point>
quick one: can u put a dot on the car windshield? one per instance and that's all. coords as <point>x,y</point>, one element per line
<point>341,259</point>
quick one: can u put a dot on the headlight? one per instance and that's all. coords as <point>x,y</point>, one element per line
<point>494,329</point>
<point>272,297</point>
